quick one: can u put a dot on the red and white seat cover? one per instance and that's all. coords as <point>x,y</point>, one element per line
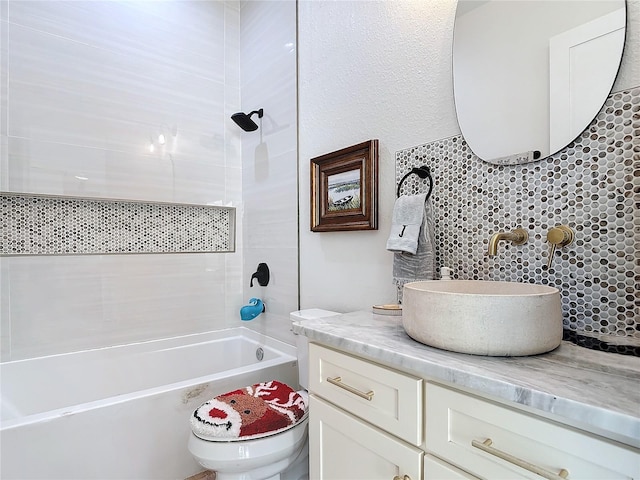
<point>248,413</point>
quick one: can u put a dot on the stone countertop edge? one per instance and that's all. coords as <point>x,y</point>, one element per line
<point>596,390</point>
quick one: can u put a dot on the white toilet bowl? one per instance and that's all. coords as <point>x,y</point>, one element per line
<point>257,459</point>
<point>279,456</point>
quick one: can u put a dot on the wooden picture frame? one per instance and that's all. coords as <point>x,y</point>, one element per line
<point>344,189</point>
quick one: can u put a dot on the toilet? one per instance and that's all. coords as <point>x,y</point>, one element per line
<point>280,452</point>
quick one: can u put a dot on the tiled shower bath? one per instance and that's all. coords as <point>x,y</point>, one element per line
<point>593,185</point>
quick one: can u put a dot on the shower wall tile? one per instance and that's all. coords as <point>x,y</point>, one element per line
<point>234,287</point>
<point>4,30</point>
<point>591,185</point>
<point>233,267</point>
<point>276,82</point>
<point>269,159</point>
<point>140,293</point>
<point>155,29</point>
<point>279,22</point>
<point>270,208</point>
<point>54,302</point>
<point>86,87</point>
<point>280,296</point>
<point>233,135</point>
<point>272,235</point>
<point>232,45</point>
<point>61,304</point>
<point>92,85</point>
<point>233,186</point>
<point>5,312</point>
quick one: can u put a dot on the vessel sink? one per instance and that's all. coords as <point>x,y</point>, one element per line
<point>483,317</point>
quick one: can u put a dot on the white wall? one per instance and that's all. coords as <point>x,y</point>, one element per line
<point>629,73</point>
<point>269,162</point>
<point>378,69</point>
<point>86,87</point>
<point>367,69</point>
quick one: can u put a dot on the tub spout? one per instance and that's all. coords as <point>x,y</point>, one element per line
<point>517,237</point>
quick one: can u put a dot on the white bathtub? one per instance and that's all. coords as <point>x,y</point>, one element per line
<point>123,412</point>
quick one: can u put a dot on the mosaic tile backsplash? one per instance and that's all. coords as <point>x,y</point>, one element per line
<point>593,186</point>
<point>35,225</point>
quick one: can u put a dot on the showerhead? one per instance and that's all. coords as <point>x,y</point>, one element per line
<point>244,121</point>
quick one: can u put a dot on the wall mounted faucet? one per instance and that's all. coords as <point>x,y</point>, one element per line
<point>517,237</point>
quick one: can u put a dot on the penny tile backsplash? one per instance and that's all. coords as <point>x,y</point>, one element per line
<point>593,185</point>
<point>56,225</point>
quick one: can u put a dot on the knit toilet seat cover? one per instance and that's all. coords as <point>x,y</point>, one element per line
<point>251,412</point>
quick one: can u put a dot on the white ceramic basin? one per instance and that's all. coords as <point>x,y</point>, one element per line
<point>483,318</point>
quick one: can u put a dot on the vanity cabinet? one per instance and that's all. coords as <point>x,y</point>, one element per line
<point>365,420</point>
<point>347,448</point>
<point>368,421</point>
<point>498,442</point>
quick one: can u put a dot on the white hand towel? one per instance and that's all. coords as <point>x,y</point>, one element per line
<point>421,265</point>
<point>408,214</point>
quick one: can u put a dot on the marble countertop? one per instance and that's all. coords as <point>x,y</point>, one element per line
<point>589,389</point>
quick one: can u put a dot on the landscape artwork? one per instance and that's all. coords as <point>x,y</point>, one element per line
<point>344,191</point>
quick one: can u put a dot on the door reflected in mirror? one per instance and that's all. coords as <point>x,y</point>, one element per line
<point>530,75</point>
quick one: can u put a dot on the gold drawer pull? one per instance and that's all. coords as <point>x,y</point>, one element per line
<point>338,383</point>
<point>486,447</point>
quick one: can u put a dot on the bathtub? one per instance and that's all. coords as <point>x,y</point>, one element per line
<point>123,412</point>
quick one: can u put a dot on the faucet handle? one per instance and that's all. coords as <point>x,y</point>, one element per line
<point>261,274</point>
<point>559,236</point>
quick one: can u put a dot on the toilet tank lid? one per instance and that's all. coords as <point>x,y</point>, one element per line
<point>311,313</point>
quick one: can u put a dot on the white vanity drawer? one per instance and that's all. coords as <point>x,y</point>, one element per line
<point>436,469</point>
<point>495,442</point>
<point>386,398</point>
<point>342,447</point>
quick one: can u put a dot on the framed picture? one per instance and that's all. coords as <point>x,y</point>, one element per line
<point>344,189</point>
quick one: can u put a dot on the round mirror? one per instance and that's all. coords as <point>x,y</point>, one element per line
<point>529,75</point>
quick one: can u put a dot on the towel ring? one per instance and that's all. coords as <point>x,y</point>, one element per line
<point>423,172</point>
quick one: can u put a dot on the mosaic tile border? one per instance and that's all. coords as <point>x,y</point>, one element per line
<point>43,225</point>
<point>593,185</point>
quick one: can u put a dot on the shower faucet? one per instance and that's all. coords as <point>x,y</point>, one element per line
<point>261,275</point>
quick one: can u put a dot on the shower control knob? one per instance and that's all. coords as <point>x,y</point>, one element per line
<point>261,275</point>
<point>558,237</point>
